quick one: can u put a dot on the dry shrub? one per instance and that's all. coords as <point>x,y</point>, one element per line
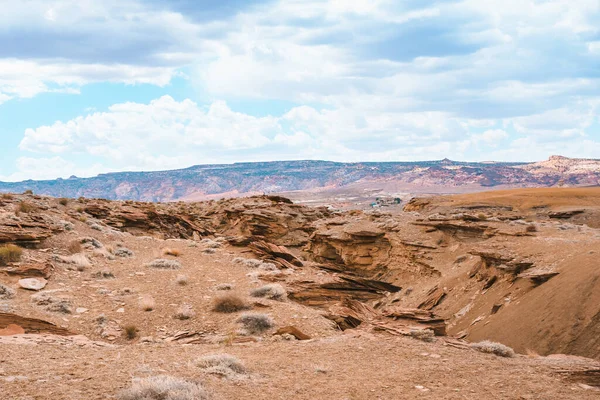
<point>147,303</point>
<point>224,286</point>
<point>184,312</point>
<point>28,191</point>
<point>6,292</point>
<point>79,260</point>
<point>162,263</point>
<point>25,207</point>
<point>273,291</point>
<point>97,227</point>
<point>182,280</point>
<point>63,201</point>
<point>224,365</point>
<point>92,242</point>
<point>53,304</point>
<point>255,323</point>
<point>74,247</point>
<point>247,262</point>
<point>7,196</point>
<point>531,228</point>
<point>230,303</point>
<point>164,388</point>
<point>130,331</point>
<point>123,252</point>
<point>104,274</point>
<point>498,349</point>
<point>209,243</point>
<point>426,335</point>
<point>10,253</point>
<point>171,252</point>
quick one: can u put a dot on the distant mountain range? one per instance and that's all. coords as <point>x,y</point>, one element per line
<point>229,180</point>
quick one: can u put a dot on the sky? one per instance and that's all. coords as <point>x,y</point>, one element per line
<point>96,86</point>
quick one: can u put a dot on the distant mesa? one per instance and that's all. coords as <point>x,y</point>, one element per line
<point>204,182</point>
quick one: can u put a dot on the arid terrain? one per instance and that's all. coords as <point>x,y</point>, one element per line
<point>491,295</point>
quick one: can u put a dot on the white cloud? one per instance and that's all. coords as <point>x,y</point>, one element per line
<point>371,79</point>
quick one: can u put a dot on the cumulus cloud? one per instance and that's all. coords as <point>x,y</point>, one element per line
<point>369,80</point>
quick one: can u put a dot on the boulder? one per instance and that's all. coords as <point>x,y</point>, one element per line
<point>33,283</point>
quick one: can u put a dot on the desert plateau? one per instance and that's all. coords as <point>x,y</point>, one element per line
<point>485,295</point>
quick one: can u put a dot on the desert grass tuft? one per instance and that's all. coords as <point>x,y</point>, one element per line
<point>498,349</point>
<point>230,303</point>
<point>147,303</point>
<point>171,252</point>
<point>224,365</point>
<point>6,293</point>
<point>164,388</point>
<point>74,247</point>
<point>273,291</point>
<point>255,323</point>
<point>131,331</point>
<point>184,312</point>
<point>25,207</point>
<point>182,280</point>
<point>10,253</point>
<point>161,263</point>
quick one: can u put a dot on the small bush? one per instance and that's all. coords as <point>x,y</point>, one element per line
<point>229,303</point>
<point>162,263</point>
<point>256,323</point>
<point>79,260</point>
<point>182,280</point>
<point>147,303</point>
<point>247,262</point>
<point>25,207</point>
<point>426,335</point>
<point>74,247</point>
<point>104,274</point>
<point>53,304</point>
<point>184,312</point>
<point>6,292</point>
<point>531,228</point>
<point>171,252</point>
<point>10,253</point>
<point>164,388</point>
<point>224,365</point>
<point>63,201</point>
<point>96,227</point>
<point>92,242</point>
<point>273,291</point>
<point>208,243</point>
<point>7,196</point>
<point>130,331</point>
<point>498,349</point>
<point>224,286</point>
<point>123,252</point>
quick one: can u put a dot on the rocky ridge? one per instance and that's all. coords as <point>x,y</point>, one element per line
<point>516,267</point>
<point>232,180</point>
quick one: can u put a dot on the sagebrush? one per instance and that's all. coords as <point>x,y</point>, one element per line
<point>229,303</point>
<point>164,387</point>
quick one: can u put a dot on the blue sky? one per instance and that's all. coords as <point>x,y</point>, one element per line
<point>89,86</point>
